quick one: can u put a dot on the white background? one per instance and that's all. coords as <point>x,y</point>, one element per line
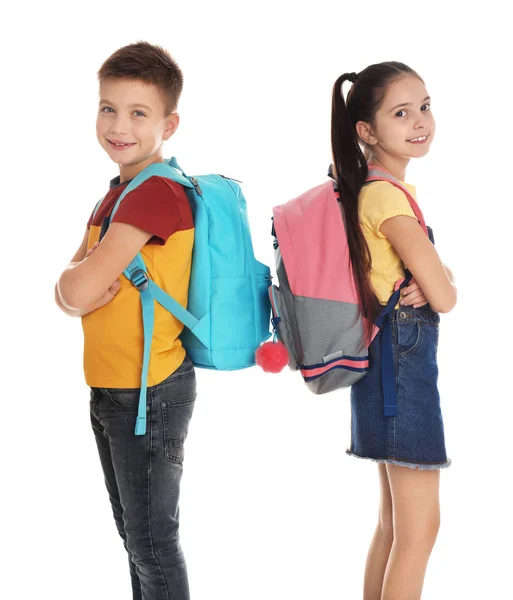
<point>271,505</point>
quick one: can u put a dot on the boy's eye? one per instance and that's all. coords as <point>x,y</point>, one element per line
<point>139,113</point>
<point>106,109</point>
<point>400,113</point>
<point>425,107</point>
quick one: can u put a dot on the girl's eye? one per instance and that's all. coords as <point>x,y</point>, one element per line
<point>401,113</point>
<point>106,109</point>
<point>139,113</point>
<point>425,107</point>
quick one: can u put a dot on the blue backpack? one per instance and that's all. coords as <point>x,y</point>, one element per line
<point>228,310</point>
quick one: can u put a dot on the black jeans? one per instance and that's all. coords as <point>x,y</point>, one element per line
<point>142,475</point>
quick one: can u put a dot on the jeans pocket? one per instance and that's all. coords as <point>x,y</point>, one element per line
<point>176,416</point>
<point>123,398</point>
<point>409,338</point>
<point>176,397</point>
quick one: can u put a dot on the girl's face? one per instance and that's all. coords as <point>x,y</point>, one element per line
<point>404,125</point>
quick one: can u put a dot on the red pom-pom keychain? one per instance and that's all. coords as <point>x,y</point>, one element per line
<point>272,356</point>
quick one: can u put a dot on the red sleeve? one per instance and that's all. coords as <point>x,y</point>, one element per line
<point>98,204</point>
<point>158,206</point>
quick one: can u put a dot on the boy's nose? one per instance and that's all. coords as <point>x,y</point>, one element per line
<point>119,126</point>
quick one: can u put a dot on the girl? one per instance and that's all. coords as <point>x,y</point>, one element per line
<point>388,113</point>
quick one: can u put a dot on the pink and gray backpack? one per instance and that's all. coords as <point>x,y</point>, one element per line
<point>316,312</point>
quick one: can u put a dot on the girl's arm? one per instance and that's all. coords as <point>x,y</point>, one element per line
<point>422,260</point>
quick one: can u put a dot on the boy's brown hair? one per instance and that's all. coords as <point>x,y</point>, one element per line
<point>148,63</point>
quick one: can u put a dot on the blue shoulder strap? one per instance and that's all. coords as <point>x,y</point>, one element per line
<point>156,169</point>
<point>383,322</point>
<point>387,352</point>
<point>136,272</point>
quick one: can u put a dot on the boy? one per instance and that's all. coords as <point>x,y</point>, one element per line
<point>140,85</point>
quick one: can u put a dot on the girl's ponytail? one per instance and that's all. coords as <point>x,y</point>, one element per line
<point>350,171</point>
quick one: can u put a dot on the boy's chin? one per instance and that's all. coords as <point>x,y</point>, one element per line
<point>122,161</point>
<point>121,158</point>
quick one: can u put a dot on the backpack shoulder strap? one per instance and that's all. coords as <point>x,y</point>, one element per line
<point>137,273</point>
<point>383,320</point>
<point>376,174</point>
<point>156,169</point>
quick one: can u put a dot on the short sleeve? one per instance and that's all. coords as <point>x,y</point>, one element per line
<point>92,213</point>
<point>158,206</point>
<point>381,201</point>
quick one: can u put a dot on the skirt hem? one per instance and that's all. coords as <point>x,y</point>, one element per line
<point>404,463</point>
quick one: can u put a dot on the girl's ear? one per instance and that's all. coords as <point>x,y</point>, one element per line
<point>365,133</point>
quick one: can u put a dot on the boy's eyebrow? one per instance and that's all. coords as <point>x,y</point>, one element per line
<point>141,106</point>
<point>407,104</point>
<point>105,101</point>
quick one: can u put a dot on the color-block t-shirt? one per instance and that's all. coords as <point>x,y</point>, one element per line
<point>113,334</point>
<point>378,202</point>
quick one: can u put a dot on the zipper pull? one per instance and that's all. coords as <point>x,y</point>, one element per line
<point>195,183</point>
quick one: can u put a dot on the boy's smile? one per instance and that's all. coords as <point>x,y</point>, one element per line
<point>118,145</point>
<point>132,124</point>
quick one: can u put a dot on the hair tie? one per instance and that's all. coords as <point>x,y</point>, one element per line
<point>352,77</point>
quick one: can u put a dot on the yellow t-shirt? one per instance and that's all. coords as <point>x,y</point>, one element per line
<point>113,334</point>
<point>378,202</point>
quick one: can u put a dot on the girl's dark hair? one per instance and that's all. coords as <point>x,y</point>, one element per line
<point>350,165</point>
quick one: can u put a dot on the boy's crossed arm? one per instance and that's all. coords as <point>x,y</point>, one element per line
<point>91,279</point>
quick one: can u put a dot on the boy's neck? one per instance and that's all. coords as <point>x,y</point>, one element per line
<point>128,172</point>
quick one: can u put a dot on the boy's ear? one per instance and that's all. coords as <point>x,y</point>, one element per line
<point>365,133</point>
<point>172,125</point>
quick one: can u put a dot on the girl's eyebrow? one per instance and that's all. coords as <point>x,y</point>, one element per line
<point>426,99</point>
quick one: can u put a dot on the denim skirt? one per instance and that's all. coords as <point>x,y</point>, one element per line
<point>415,436</point>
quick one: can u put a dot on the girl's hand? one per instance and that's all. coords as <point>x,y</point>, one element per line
<point>412,295</point>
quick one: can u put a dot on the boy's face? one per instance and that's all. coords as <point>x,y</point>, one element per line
<point>132,124</point>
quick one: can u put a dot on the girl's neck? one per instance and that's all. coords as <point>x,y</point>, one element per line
<point>395,166</point>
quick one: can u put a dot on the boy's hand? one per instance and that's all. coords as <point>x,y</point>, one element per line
<point>107,297</point>
<point>110,293</point>
<point>412,295</point>
<point>81,285</point>
<point>91,249</point>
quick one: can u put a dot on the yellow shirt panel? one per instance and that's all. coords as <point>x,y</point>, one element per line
<point>378,202</point>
